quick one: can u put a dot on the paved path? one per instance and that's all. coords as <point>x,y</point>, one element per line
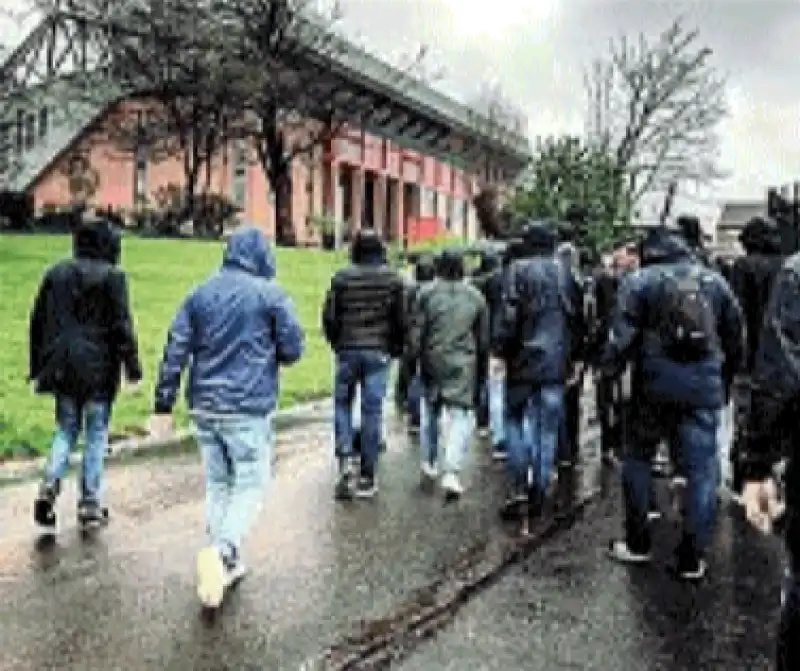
<point>569,607</point>
<point>126,600</point>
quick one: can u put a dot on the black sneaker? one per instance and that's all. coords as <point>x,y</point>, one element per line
<point>346,481</point>
<point>366,487</point>
<point>91,515</point>
<point>515,504</point>
<point>691,570</point>
<point>44,513</point>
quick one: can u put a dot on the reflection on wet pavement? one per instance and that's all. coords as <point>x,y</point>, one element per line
<point>569,607</point>
<point>125,600</point>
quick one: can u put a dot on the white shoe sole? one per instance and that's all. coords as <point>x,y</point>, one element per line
<point>210,578</point>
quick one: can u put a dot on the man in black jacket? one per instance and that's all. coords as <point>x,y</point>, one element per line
<point>81,336</point>
<point>364,322</point>
<point>773,435</point>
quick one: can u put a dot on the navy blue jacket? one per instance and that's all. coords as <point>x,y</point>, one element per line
<point>634,331</point>
<point>234,331</point>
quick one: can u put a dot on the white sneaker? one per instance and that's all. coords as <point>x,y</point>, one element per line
<point>211,577</point>
<point>429,471</point>
<point>452,485</point>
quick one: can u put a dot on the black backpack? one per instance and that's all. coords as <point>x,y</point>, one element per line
<point>688,322</point>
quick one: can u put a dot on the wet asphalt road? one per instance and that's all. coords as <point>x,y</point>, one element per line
<point>126,599</point>
<point>569,607</point>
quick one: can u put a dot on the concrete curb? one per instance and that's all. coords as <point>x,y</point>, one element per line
<point>315,412</point>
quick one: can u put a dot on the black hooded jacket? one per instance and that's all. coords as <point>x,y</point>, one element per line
<point>753,275</point>
<point>81,329</point>
<point>365,304</point>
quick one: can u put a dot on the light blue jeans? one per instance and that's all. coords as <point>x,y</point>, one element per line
<point>71,417</point>
<point>532,433</point>
<point>497,410</point>
<point>237,455</point>
<point>452,423</point>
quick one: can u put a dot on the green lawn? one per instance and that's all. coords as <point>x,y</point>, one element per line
<point>160,274</point>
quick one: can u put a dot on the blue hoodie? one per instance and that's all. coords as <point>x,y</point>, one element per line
<point>634,329</point>
<point>233,331</point>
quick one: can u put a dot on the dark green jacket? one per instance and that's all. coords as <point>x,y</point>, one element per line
<point>449,332</point>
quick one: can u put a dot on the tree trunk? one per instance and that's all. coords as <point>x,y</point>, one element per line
<point>285,235</point>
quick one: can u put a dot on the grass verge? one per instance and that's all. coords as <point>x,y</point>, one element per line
<point>160,273</point>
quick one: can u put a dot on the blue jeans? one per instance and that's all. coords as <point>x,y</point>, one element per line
<point>452,423</point>
<point>532,433</point>
<point>367,371</point>
<point>237,457</point>
<point>71,416</point>
<point>693,434</point>
<point>497,410</point>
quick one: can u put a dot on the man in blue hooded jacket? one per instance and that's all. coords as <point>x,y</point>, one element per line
<point>681,326</point>
<point>234,331</point>
<point>533,337</point>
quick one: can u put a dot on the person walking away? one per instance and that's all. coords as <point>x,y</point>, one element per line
<point>752,279</point>
<point>489,264</point>
<point>81,337</point>
<point>234,331</point>
<point>533,338</point>
<point>678,322</point>
<point>424,274</point>
<point>691,231</point>
<point>774,435</point>
<point>450,336</point>
<point>569,438</point>
<point>363,320</point>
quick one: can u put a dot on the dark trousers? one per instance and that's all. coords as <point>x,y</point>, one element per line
<point>610,410</point>
<point>569,435</point>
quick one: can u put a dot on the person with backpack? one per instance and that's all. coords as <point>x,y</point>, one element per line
<point>533,336</point>
<point>680,325</point>
<point>81,338</point>
<point>774,436</point>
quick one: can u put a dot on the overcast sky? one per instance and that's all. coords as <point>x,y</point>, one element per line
<point>536,49</point>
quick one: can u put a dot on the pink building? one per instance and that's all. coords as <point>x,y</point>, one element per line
<point>416,159</point>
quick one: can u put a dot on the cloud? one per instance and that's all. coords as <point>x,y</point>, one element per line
<point>538,50</point>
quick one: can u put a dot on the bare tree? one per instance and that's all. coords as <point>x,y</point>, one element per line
<point>499,116</point>
<point>166,52</point>
<point>656,106</point>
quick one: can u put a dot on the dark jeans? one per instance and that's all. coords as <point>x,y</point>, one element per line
<point>415,391</point>
<point>789,632</point>
<point>369,370</point>
<point>608,396</point>
<point>570,428</point>
<point>693,433</point>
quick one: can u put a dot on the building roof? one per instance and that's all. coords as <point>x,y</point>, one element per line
<point>735,214</point>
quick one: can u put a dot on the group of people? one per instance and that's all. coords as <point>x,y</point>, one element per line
<point>506,348</point>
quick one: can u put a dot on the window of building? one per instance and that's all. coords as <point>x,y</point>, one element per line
<point>44,122</point>
<point>435,203</point>
<point>30,131</point>
<point>310,188</point>
<point>20,139</point>
<point>457,220</point>
<point>5,148</point>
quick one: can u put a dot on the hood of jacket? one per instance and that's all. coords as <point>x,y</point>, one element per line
<point>248,249</point>
<point>664,246</point>
<point>761,235</point>
<point>538,239</point>
<point>97,240</point>
<point>368,248</point>
<point>425,269</point>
